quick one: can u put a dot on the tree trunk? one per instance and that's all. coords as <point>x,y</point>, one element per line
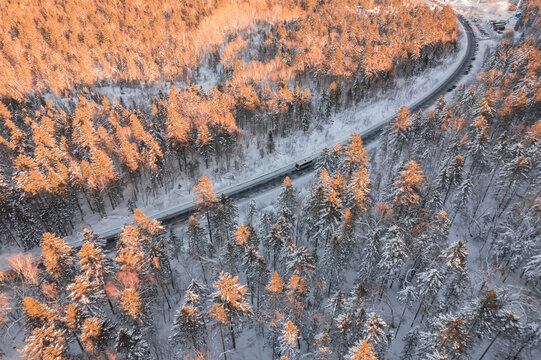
<point>232,336</point>
<point>208,225</point>
<point>223,343</point>
<point>107,296</point>
<point>418,309</point>
<point>489,345</point>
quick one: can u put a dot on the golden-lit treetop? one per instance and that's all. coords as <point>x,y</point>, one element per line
<point>56,255</point>
<point>91,330</point>
<point>130,302</point>
<point>241,235</point>
<point>44,343</point>
<point>363,350</point>
<point>355,152</point>
<point>24,266</point>
<point>402,121</point>
<point>290,334</point>
<point>204,192</point>
<point>275,284</point>
<point>409,184</point>
<point>231,294</point>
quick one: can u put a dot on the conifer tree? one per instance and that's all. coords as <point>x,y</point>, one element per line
<point>289,339</point>
<point>274,303</point>
<point>45,338</point>
<point>189,326</point>
<point>256,273</point>
<point>56,256</point>
<point>408,185</point>
<point>205,199</point>
<point>288,197</point>
<point>355,156</point>
<point>275,242</point>
<point>330,212</point>
<point>274,288</point>
<point>94,335</point>
<point>132,344</point>
<point>45,343</point>
<point>429,283</point>
<point>393,255</point>
<point>336,258</point>
<point>300,262</point>
<point>374,331</point>
<point>230,302</point>
<point>363,350</point>
<point>93,264</point>
<point>359,188</point>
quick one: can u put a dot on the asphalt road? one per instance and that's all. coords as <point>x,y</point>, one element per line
<point>274,178</point>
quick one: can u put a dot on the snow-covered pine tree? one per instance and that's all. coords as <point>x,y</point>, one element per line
<point>363,350</point>
<point>462,196</point>
<point>57,257</point>
<point>288,198</point>
<point>375,332</point>
<point>393,255</point>
<point>355,157</point>
<point>273,309</point>
<point>189,327</point>
<point>312,213</point>
<point>132,345</point>
<point>93,263</point>
<point>300,262</point>
<point>408,186</point>
<point>205,200</point>
<point>289,340</point>
<point>229,303</point>
<point>252,211</point>
<point>409,349</point>
<point>429,282</point>
<point>224,219</point>
<point>331,209</point>
<point>196,236</point>
<point>275,243</point>
<point>448,338</point>
<point>256,273</point>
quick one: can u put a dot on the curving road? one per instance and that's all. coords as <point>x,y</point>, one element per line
<point>275,178</point>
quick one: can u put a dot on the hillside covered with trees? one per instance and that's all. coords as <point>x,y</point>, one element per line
<point>425,246</point>
<point>279,68</point>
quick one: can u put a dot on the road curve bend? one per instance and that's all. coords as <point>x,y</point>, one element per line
<point>275,177</point>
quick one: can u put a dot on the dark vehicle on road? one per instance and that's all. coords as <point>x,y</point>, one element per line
<point>498,26</point>
<point>303,164</point>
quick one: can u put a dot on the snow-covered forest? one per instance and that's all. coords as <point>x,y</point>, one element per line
<point>424,245</point>
<point>79,149</point>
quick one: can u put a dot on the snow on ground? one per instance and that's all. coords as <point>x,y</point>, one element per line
<point>486,9</point>
<point>295,147</point>
<point>380,107</point>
